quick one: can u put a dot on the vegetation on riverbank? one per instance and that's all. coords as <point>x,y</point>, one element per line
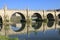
<point>7,38</point>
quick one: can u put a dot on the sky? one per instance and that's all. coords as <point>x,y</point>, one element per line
<point>31,4</point>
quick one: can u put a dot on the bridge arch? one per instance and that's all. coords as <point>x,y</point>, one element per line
<point>21,21</point>
<point>1,23</point>
<point>50,18</point>
<point>36,20</point>
<point>59,18</point>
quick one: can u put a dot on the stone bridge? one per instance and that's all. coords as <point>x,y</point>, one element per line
<point>24,21</point>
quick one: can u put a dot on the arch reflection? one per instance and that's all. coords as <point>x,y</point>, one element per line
<point>36,20</point>
<point>50,18</point>
<point>18,20</point>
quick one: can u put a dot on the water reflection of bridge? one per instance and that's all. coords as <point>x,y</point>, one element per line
<point>23,21</point>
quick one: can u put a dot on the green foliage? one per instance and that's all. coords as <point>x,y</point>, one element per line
<point>7,38</point>
<point>13,38</point>
<point>15,19</point>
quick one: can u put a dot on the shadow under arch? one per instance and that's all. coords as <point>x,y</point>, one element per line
<point>21,22</point>
<point>59,18</point>
<point>50,18</point>
<point>1,23</point>
<point>36,20</point>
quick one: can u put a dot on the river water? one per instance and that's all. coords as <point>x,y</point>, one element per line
<point>37,21</point>
<point>46,35</point>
